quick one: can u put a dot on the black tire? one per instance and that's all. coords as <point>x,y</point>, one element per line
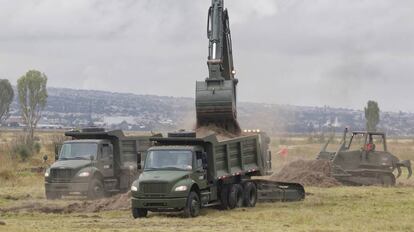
<point>250,194</point>
<point>193,205</point>
<point>235,198</point>
<point>53,195</point>
<point>388,180</point>
<point>139,213</point>
<point>224,197</point>
<point>96,189</point>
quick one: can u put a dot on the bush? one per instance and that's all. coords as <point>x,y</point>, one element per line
<point>36,147</point>
<point>23,151</point>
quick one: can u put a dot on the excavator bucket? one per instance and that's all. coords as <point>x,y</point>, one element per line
<point>216,104</point>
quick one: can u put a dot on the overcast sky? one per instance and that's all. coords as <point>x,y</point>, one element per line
<point>302,52</point>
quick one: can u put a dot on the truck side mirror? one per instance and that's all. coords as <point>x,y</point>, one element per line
<point>139,166</point>
<point>58,146</point>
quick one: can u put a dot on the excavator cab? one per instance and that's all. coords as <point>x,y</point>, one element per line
<point>216,96</point>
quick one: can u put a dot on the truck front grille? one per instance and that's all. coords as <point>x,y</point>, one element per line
<point>61,174</point>
<point>154,188</point>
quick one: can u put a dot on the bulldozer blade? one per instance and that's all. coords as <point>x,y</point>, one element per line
<point>406,164</point>
<point>399,171</point>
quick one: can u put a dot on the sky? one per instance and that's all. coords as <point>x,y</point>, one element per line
<point>339,53</point>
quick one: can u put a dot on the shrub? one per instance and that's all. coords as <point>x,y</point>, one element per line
<point>36,147</point>
<point>23,151</point>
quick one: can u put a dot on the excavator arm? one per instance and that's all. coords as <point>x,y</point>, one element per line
<point>216,96</point>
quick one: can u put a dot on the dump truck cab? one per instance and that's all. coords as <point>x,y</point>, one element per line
<point>95,163</point>
<point>364,159</point>
<point>169,174</point>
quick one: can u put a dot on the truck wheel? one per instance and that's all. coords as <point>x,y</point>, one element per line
<point>235,196</point>
<point>250,195</point>
<point>96,189</point>
<point>193,205</point>
<point>224,197</point>
<point>139,213</point>
<point>53,195</point>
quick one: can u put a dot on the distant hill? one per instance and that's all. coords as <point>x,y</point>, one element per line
<point>78,108</point>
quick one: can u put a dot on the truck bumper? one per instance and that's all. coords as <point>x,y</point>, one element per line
<point>159,203</point>
<point>66,187</point>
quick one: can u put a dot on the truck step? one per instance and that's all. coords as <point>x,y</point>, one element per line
<point>211,204</point>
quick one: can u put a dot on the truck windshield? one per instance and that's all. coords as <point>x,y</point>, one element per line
<point>78,151</point>
<point>181,160</point>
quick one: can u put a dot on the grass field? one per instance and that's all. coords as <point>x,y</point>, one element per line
<point>324,209</point>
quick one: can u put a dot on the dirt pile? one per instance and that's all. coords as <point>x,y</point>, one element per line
<point>308,173</point>
<point>118,202</point>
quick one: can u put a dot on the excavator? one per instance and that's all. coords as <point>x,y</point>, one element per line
<point>216,96</point>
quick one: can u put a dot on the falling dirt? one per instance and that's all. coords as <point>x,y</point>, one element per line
<point>308,173</point>
<point>212,129</point>
<point>118,202</point>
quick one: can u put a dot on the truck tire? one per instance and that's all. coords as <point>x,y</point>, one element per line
<point>96,189</point>
<point>250,194</point>
<point>224,197</point>
<point>235,196</point>
<point>53,195</point>
<point>139,213</point>
<point>193,205</point>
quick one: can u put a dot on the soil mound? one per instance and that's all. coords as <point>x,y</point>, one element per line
<point>118,202</point>
<point>308,173</point>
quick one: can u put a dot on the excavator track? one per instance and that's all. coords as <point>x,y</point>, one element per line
<point>270,191</point>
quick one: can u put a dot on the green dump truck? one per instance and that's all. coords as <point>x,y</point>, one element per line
<point>95,163</point>
<point>183,172</point>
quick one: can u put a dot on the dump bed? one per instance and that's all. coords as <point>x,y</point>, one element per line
<point>244,155</point>
<point>126,148</point>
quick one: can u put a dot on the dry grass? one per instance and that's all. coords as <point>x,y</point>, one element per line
<point>324,209</point>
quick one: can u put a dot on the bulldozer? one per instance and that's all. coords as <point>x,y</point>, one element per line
<point>364,159</point>
<point>216,96</point>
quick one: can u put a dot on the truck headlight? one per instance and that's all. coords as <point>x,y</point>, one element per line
<point>134,188</point>
<point>47,173</point>
<point>180,188</point>
<point>84,174</point>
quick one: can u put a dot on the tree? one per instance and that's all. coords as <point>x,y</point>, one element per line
<point>32,98</point>
<point>372,115</point>
<point>6,98</point>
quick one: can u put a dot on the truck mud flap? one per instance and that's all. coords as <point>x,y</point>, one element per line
<point>269,191</point>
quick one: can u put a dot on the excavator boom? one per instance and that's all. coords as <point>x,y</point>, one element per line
<point>216,96</point>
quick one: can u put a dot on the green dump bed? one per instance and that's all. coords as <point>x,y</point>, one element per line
<point>244,155</point>
<point>239,156</point>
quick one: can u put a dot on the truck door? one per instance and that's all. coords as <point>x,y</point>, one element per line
<point>107,160</point>
<point>201,170</point>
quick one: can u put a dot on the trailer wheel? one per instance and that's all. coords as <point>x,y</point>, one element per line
<point>224,197</point>
<point>139,213</point>
<point>250,195</point>
<point>193,205</point>
<point>53,195</point>
<point>96,189</point>
<point>235,196</point>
